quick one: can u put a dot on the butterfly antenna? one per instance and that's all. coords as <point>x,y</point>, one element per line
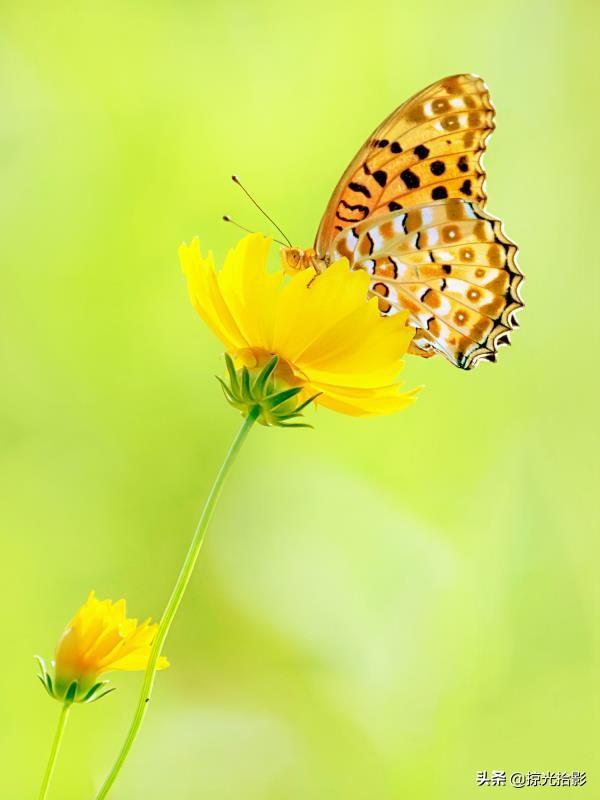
<point>241,227</point>
<point>235,179</point>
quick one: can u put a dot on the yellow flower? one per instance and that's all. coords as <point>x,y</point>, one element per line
<point>98,639</point>
<point>329,339</point>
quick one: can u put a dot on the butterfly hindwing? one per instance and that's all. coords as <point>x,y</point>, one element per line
<point>451,265</point>
<point>428,149</point>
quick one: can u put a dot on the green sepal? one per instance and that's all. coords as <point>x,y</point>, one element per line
<point>246,393</point>
<point>45,685</point>
<point>233,378</point>
<point>41,664</point>
<point>101,695</point>
<point>226,390</point>
<point>263,393</point>
<point>90,694</point>
<point>262,378</point>
<point>307,403</point>
<point>44,676</point>
<point>287,394</point>
<point>71,692</point>
<point>96,693</point>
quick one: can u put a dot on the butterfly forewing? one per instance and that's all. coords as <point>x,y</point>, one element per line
<point>409,210</point>
<point>430,148</point>
<point>451,266</point>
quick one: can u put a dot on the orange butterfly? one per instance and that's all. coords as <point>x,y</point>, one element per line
<point>409,211</point>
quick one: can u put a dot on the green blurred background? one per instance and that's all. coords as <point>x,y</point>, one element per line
<point>383,607</point>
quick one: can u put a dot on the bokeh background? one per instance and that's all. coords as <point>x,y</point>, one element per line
<point>385,607</point>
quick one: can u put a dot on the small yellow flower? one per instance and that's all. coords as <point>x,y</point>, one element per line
<point>330,342</point>
<point>98,639</point>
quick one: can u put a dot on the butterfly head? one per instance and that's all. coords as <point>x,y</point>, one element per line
<point>295,259</point>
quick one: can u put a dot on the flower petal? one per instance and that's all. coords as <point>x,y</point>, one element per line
<point>100,638</point>
<point>328,336</point>
<point>206,296</point>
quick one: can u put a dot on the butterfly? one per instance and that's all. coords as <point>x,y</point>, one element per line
<point>409,210</point>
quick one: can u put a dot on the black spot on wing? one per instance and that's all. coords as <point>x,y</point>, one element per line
<point>439,193</point>
<point>466,187</point>
<point>362,210</point>
<point>437,167</point>
<point>359,188</point>
<point>395,147</point>
<point>394,265</point>
<point>381,177</point>
<point>410,179</point>
<point>421,151</point>
<point>394,206</point>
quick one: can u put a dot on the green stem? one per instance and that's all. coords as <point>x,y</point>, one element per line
<point>60,729</point>
<point>175,600</point>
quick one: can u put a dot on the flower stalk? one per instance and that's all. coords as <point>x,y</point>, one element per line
<point>56,743</point>
<point>175,599</point>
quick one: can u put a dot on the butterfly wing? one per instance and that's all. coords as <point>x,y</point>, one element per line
<point>429,148</point>
<point>451,265</point>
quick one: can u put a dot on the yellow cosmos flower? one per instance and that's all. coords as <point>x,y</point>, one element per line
<point>330,342</point>
<point>100,638</point>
